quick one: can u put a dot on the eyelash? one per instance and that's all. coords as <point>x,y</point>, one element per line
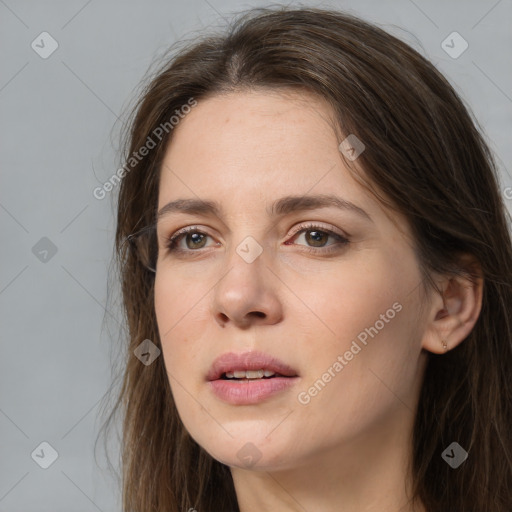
<point>174,240</point>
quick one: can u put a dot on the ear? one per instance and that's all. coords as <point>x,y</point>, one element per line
<point>453,313</point>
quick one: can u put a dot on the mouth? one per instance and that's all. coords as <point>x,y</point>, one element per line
<point>249,378</point>
<point>248,366</point>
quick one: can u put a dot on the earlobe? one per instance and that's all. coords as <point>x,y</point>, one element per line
<point>453,312</point>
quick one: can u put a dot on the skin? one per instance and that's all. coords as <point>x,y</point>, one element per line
<point>349,448</point>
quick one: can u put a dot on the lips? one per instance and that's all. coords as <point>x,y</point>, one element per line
<point>253,390</point>
<point>248,361</point>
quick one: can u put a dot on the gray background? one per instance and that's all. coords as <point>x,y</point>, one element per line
<point>58,122</point>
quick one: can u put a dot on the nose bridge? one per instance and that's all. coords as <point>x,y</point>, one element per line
<point>245,290</point>
<point>245,248</point>
<point>245,266</point>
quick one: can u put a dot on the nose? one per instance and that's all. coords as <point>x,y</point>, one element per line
<point>247,295</point>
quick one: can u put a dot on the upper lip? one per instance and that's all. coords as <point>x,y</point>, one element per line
<point>232,361</point>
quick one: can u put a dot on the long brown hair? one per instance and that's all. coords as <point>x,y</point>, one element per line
<point>424,157</point>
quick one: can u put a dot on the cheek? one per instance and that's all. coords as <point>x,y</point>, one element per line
<point>339,304</point>
<point>369,318</point>
<point>178,311</point>
<point>177,300</point>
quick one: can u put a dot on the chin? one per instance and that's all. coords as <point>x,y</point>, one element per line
<point>248,449</point>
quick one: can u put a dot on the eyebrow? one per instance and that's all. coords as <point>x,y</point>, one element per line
<point>280,207</point>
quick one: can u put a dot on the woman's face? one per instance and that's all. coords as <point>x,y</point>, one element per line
<point>330,290</point>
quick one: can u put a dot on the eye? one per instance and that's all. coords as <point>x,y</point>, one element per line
<point>191,239</point>
<point>316,237</point>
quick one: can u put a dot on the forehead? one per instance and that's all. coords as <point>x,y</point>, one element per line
<point>276,125</point>
<point>251,148</point>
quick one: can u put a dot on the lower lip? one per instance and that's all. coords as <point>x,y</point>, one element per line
<point>239,392</point>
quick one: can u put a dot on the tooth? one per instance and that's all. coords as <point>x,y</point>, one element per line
<point>249,374</point>
<point>258,374</point>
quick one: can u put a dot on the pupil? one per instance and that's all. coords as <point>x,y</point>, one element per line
<point>317,237</point>
<point>196,238</point>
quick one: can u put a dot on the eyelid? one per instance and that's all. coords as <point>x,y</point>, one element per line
<point>318,225</point>
<point>183,231</point>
